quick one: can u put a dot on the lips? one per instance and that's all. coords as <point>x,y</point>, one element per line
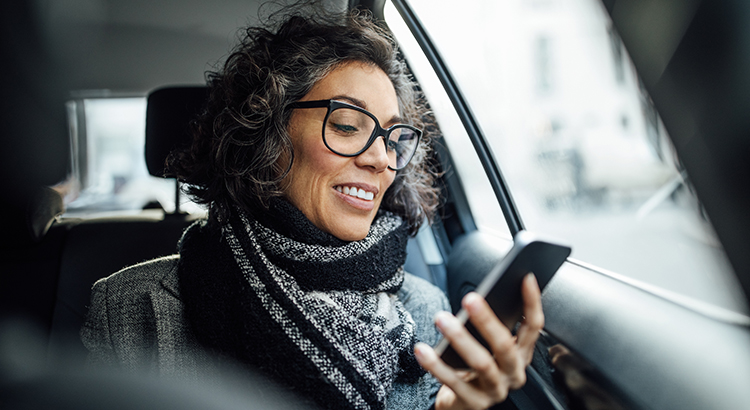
<point>356,192</point>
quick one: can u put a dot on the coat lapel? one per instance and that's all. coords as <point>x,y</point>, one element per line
<point>175,340</point>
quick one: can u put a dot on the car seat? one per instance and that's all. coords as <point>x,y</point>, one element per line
<point>96,248</point>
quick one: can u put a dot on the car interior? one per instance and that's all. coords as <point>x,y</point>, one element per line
<point>609,342</point>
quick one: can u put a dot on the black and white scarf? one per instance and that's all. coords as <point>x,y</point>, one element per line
<point>317,314</point>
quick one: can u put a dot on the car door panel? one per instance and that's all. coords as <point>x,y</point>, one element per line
<point>662,354</point>
<point>646,350</point>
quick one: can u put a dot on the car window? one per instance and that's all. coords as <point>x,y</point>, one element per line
<point>582,148</point>
<point>108,171</point>
<point>465,163</point>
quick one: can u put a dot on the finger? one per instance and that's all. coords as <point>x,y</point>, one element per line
<point>467,375</point>
<point>447,375</point>
<point>471,351</point>
<point>528,332</point>
<point>498,336</point>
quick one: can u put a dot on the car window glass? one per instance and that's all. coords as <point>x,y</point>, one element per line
<point>583,150</point>
<point>477,187</point>
<point>108,166</point>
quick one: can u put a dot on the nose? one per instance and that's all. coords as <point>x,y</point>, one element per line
<point>375,156</point>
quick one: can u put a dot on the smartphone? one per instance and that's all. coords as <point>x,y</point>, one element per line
<point>501,288</point>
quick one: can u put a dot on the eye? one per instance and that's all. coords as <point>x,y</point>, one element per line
<point>392,145</point>
<point>345,128</point>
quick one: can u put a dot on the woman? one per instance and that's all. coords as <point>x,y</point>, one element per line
<point>312,162</point>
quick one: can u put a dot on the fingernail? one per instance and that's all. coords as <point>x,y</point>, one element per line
<point>470,301</point>
<point>445,321</point>
<point>423,351</point>
<point>531,277</point>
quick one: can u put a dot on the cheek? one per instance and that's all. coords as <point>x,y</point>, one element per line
<point>313,168</point>
<point>309,149</point>
<point>387,183</point>
<point>390,177</point>
<point>315,159</point>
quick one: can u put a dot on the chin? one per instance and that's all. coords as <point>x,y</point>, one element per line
<point>349,230</point>
<point>351,236</point>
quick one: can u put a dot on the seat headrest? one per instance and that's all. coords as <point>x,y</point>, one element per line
<point>168,115</point>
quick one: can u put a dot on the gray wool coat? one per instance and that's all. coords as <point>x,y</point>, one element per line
<point>136,322</point>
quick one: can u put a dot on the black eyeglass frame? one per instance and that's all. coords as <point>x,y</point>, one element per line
<point>378,131</point>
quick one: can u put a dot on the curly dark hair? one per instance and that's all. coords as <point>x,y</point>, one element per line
<point>240,141</point>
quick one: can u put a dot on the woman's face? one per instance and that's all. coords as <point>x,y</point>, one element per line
<point>319,178</point>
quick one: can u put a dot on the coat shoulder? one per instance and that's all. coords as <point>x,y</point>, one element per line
<point>419,293</point>
<point>146,277</point>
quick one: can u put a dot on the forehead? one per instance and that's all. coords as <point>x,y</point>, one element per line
<point>361,84</point>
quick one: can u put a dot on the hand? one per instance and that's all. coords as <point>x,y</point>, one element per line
<point>493,373</point>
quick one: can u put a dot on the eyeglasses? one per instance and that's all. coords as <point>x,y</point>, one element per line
<point>349,130</point>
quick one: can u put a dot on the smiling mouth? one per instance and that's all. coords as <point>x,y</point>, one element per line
<point>356,192</point>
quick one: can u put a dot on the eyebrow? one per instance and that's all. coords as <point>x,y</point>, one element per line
<point>396,119</point>
<point>359,103</point>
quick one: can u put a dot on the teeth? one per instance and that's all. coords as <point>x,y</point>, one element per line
<point>356,192</point>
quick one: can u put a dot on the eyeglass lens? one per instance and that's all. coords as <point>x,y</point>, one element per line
<point>347,131</point>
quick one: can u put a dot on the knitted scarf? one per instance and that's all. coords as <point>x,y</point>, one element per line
<point>315,313</point>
